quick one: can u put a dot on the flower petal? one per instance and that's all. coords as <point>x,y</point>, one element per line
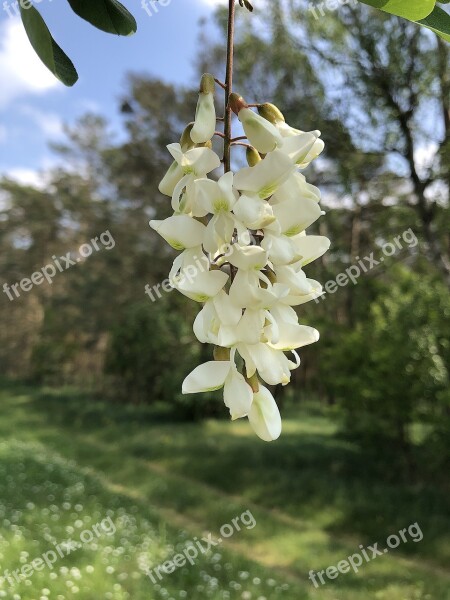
<point>180,231</point>
<point>261,134</point>
<point>206,377</point>
<point>265,177</point>
<point>237,394</point>
<point>264,416</point>
<point>201,286</point>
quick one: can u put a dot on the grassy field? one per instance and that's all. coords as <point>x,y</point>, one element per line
<point>69,463</point>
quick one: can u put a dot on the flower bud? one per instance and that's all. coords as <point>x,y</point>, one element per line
<point>205,115</point>
<point>186,142</point>
<point>253,156</point>
<point>271,113</point>
<point>237,103</point>
<point>207,84</point>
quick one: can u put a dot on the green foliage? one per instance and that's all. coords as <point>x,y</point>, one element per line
<point>392,369</point>
<point>46,48</point>
<point>152,349</point>
<point>409,9</point>
<point>111,16</point>
<point>108,15</point>
<point>439,22</point>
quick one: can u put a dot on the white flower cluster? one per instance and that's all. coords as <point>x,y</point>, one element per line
<point>244,247</point>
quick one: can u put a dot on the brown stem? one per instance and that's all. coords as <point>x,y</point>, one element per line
<point>240,144</point>
<point>219,134</point>
<point>229,84</point>
<point>241,137</point>
<point>221,83</point>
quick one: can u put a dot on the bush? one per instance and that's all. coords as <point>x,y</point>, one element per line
<point>392,370</point>
<point>151,351</point>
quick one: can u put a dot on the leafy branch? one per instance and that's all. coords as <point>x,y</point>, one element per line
<point>112,17</point>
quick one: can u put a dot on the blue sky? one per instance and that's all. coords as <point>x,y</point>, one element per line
<point>33,105</point>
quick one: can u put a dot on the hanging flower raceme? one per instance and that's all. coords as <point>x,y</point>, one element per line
<point>244,246</point>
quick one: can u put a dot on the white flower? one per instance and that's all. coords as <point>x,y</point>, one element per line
<point>295,186</point>
<point>213,375</point>
<point>193,163</point>
<point>272,365</point>
<point>202,286</point>
<point>264,416</point>
<point>248,258</point>
<point>301,289</point>
<point>265,177</point>
<point>170,179</point>
<point>219,316</point>
<point>296,214</point>
<point>246,290</point>
<point>260,133</point>
<point>196,161</point>
<point>253,212</point>
<point>310,247</point>
<point>180,231</point>
<point>190,276</point>
<point>302,148</point>
<point>285,333</point>
<point>286,131</point>
<point>217,198</point>
<point>244,246</point>
<point>281,249</point>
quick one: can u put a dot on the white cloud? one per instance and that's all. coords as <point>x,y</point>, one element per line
<point>27,177</point>
<point>21,71</point>
<point>49,123</point>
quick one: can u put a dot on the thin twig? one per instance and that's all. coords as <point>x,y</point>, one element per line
<point>236,139</point>
<point>220,134</point>
<point>222,85</point>
<point>240,144</point>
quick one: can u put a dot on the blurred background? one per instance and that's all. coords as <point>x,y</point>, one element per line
<point>92,420</point>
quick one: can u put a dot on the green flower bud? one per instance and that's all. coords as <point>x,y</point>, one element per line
<point>271,113</point>
<point>207,84</point>
<point>186,142</point>
<point>253,156</point>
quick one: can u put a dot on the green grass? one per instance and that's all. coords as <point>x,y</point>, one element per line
<point>67,462</point>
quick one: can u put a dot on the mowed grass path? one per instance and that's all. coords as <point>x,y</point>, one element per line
<point>67,462</point>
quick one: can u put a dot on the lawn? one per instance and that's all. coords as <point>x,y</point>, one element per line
<point>138,491</point>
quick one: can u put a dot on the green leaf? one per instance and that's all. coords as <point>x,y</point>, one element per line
<point>409,9</point>
<point>439,22</point>
<point>46,48</point>
<point>107,15</point>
